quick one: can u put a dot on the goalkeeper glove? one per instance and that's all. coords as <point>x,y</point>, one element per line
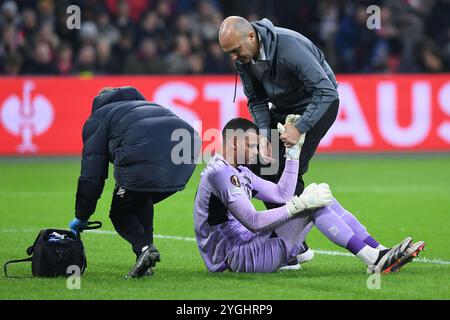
<point>77,225</point>
<point>294,151</point>
<point>314,196</point>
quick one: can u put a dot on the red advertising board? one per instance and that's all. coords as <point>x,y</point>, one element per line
<point>45,115</point>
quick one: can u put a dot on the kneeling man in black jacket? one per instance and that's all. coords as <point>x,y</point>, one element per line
<point>136,137</point>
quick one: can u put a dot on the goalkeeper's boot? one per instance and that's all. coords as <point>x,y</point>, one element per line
<point>292,264</point>
<point>389,258</point>
<point>413,251</point>
<point>408,240</point>
<point>294,261</point>
<point>306,255</point>
<point>146,260</point>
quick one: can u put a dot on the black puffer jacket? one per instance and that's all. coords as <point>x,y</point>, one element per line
<point>135,136</point>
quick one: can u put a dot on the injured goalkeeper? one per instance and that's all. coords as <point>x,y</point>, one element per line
<point>232,235</point>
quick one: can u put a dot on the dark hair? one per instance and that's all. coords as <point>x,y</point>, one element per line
<point>238,124</point>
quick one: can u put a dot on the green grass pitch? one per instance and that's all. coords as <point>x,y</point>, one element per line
<point>393,196</point>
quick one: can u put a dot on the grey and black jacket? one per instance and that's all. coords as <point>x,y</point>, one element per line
<point>136,137</point>
<point>295,78</point>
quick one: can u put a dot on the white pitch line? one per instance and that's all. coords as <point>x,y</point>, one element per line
<point>380,189</point>
<point>346,254</point>
<point>159,236</point>
<point>191,239</point>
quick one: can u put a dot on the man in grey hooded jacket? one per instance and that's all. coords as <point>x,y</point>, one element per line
<point>284,68</point>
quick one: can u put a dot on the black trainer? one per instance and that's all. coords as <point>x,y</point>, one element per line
<point>146,260</point>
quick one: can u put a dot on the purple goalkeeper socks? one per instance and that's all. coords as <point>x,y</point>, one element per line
<point>371,242</point>
<point>355,245</point>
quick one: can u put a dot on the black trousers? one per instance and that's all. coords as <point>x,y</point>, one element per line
<point>132,215</point>
<point>312,140</point>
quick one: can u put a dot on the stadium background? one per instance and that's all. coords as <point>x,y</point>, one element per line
<point>169,50</point>
<point>394,86</point>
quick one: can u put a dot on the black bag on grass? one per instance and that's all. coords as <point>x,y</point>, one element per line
<point>53,251</point>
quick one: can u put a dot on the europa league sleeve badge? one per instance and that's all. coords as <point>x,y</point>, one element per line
<point>235,181</point>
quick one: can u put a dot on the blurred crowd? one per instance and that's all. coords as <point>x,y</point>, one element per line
<point>180,36</point>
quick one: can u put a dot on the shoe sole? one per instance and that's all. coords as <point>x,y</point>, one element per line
<point>388,270</point>
<point>293,267</point>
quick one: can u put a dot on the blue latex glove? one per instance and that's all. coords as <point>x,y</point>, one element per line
<point>77,225</point>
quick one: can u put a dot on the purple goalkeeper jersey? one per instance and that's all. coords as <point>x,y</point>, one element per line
<point>224,216</point>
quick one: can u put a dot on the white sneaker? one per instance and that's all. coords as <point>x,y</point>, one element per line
<point>306,256</point>
<point>295,262</point>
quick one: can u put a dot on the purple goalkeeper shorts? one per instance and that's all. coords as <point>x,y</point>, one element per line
<point>261,254</point>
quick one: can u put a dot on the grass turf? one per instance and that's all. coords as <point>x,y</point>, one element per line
<point>393,196</point>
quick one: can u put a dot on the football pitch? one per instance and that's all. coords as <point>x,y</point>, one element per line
<point>393,196</point>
